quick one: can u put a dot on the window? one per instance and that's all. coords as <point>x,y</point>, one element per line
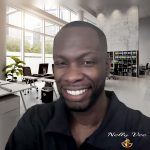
<point>33,50</point>
<point>48,45</point>
<point>52,7</point>
<point>33,42</point>
<point>48,52</point>
<point>73,16</point>
<point>51,29</point>
<point>13,44</point>
<point>65,14</point>
<point>30,37</point>
<point>39,4</point>
<point>13,41</point>
<point>14,17</point>
<point>33,23</point>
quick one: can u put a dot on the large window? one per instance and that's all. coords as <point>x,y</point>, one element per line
<point>13,40</point>
<point>65,14</point>
<point>48,45</point>
<point>48,52</point>
<point>52,7</point>
<point>30,37</point>
<point>13,43</point>
<point>33,50</point>
<point>33,42</point>
<point>51,29</point>
<point>73,16</point>
<point>14,17</point>
<point>33,23</point>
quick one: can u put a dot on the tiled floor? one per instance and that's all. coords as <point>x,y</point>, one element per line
<point>134,92</point>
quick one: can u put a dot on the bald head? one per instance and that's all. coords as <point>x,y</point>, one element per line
<point>82,30</point>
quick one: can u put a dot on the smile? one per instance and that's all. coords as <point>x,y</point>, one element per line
<point>76,92</point>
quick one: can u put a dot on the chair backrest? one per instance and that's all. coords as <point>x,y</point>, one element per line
<point>27,71</point>
<point>53,68</point>
<point>43,68</point>
<point>147,66</point>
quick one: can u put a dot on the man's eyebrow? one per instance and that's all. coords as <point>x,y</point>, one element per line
<point>58,56</point>
<point>87,54</point>
<point>82,55</point>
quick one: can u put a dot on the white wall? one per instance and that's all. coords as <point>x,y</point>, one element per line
<point>120,27</point>
<point>144,40</point>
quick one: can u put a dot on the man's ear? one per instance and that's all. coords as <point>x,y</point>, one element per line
<point>108,64</point>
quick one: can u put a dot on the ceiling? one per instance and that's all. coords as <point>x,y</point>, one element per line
<point>101,6</point>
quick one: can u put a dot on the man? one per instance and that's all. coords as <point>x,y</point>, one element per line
<point>85,117</point>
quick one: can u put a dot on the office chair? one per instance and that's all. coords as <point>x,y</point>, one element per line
<point>43,68</point>
<point>27,72</point>
<point>147,69</point>
<point>48,89</point>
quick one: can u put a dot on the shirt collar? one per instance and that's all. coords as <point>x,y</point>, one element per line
<point>59,122</point>
<point>100,137</point>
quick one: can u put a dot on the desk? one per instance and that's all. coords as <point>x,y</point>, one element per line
<point>2,82</point>
<point>13,88</point>
<point>9,116</point>
<point>31,78</point>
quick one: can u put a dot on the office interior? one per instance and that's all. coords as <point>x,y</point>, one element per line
<point>28,28</point>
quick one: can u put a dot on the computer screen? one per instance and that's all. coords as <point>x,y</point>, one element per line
<point>43,68</point>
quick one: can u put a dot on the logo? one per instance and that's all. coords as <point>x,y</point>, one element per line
<point>126,143</point>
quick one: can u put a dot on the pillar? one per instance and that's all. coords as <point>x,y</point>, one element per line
<point>2,37</point>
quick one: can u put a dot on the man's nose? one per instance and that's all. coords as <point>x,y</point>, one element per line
<point>73,74</point>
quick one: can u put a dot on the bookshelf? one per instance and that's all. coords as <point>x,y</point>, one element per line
<point>124,63</point>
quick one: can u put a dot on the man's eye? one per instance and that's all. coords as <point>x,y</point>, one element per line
<point>88,63</point>
<point>60,64</point>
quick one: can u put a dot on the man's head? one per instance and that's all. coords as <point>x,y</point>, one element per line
<point>80,64</point>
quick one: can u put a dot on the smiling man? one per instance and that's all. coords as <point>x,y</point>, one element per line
<point>86,117</point>
<point>81,66</point>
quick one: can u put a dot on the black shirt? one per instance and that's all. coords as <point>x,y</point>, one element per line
<point>46,127</point>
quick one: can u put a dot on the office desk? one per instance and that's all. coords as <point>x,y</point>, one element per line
<point>2,82</point>
<point>29,79</point>
<point>7,88</point>
<point>9,116</point>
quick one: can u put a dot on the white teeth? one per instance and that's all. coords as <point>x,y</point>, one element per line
<point>77,92</point>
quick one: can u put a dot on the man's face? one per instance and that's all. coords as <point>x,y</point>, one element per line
<point>79,67</point>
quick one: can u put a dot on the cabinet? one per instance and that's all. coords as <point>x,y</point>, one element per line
<point>9,116</point>
<point>125,63</point>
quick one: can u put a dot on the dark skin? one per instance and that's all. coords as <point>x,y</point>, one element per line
<point>80,70</point>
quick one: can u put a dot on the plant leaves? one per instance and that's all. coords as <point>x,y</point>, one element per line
<point>8,66</point>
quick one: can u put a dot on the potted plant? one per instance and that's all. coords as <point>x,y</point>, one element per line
<point>15,69</point>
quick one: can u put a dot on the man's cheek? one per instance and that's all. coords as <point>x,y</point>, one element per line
<point>57,75</point>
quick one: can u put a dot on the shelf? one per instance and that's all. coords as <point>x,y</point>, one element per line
<point>124,62</point>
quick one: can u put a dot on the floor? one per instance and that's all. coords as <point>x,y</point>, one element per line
<point>134,92</point>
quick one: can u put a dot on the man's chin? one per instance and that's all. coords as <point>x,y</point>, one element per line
<point>77,108</point>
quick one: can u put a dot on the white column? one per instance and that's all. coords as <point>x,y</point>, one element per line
<point>2,36</point>
<point>80,15</point>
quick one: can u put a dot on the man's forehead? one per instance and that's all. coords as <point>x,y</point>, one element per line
<point>72,31</point>
<point>80,37</point>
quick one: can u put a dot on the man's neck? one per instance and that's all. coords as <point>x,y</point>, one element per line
<point>83,124</point>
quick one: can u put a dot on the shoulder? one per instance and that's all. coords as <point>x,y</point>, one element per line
<point>40,113</point>
<point>30,127</point>
<point>126,117</point>
<point>135,119</point>
<point>139,119</point>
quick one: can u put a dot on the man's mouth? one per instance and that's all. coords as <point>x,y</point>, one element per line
<point>76,92</point>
